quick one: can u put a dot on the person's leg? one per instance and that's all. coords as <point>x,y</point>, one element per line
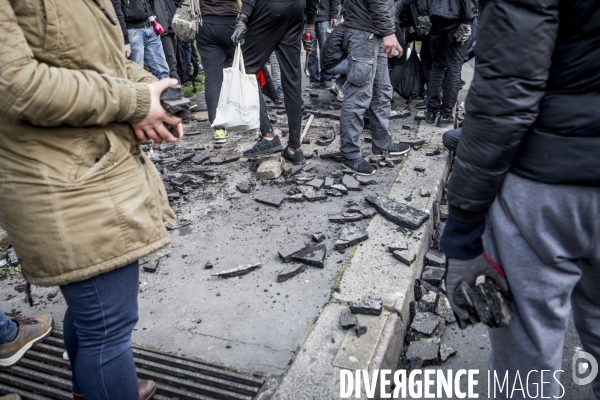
<point>71,345</point>
<point>525,236</point>
<point>455,55</point>
<point>168,44</point>
<point>187,51</point>
<point>451,139</point>
<point>154,55</point>
<point>8,328</point>
<point>275,71</point>
<point>102,312</point>
<point>136,40</point>
<point>438,37</point>
<point>585,301</point>
<point>322,35</point>
<point>313,60</point>
<point>425,56</point>
<point>363,50</point>
<point>380,108</point>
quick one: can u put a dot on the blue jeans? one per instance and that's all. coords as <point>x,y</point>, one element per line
<point>8,328</point>
<point>342,70</point>
<point>313,56</point>
<point>100,317</point>
<point>451,139</point>
<point>147,47</point>
<point>187,52</point>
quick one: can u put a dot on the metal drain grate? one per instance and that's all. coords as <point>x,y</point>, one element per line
<point>43,374</point>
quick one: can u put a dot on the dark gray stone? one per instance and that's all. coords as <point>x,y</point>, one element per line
<point>200,159</point>
<point>296,198</point>
<point>337,156</point>
<point>274,200</point>
<point>424,350</point>
<point>399,213</point>
<point>360,330</point>
<point>290,272</point>
<point>347,319</point>
<point>425,193</point>
<point>223,160</point>
<point>318,237</point>
<point>368,212</point>
<point>367,307</point>
<point>244,187</point>
<point>404,256</point>
<point>340,188</point>
<point>443,212</point>
<point>208,265</point>
<point>295,169</point>
<point>446,352</point>
<point>418,142</point>
<point>333,193</point>
<point>419,169</point>
<point>328,182</point>
<point>316,183</point>
<point>286,253</point>
<point>444,309</point>
<point>435,258</point>
<point>151,266</point>
<point>344,219</point>
<point>349,182</point>
<point>240,270</point>
<point>11,257</point>
<point>181,180</point>
<point>433,275</point>
<point>351,236</point>
<point>365,180</point>
<point>315,196</point>
<point>312,255</point>
<point>426,323</point>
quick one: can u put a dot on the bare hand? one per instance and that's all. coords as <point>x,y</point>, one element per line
<point>152,127</point>
<point>391,46</point>
<point>334,22</point>
<point>127,49</point>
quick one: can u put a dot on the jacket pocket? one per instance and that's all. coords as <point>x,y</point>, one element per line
<point>101,151</point>
<point>50,25</point>
<point>361,71</point>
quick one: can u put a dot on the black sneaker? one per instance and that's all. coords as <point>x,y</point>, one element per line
<point>396,149</point>
<point>445,120</point>
<point>430,117</point>
<point>264,147</point>
<point>313,86</point>
<point>422,105</point>
<point>360,166</point>
<point>297,158</point>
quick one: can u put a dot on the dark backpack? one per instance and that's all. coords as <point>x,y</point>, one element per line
<point>408,79</point>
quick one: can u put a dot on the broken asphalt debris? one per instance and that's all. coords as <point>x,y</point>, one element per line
<point>240,270</point>
<point>290,272</point>
<point>367,307</point>
<point>351,236</point>
<point>398,213</point>
<point>313,255</point>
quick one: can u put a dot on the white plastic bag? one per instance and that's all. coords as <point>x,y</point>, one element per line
<point>239,107</point>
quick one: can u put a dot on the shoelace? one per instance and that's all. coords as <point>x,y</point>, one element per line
<point>25,320</point>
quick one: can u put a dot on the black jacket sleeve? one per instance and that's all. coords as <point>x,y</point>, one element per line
<point>311,11</point>
<point>381,16</point>
<point>468,10</point>
<point>121,18</point>
<point>515,44</point>
<point>334,9</point>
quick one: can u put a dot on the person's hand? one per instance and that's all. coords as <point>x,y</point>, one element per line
<point>127,49</point>
<point>391,46</point>
<point>309,36</point>
<point>152,127</point>
<point>470,302</point>
<point>239,35</point>
<point>423,25</point>
<point>334,22</point>
<point>462,33</point>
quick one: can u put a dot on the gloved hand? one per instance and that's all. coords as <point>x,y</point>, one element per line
<point>486,302</point>
<point>462,33</point>
<point>423,25</point>
<point>308,33</point>
<point>239,35</point>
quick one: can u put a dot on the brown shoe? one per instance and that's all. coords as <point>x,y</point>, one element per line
<point>145,388</point>
<point>31,331</point>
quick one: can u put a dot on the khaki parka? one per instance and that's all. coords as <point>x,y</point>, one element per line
<point>78,197</point>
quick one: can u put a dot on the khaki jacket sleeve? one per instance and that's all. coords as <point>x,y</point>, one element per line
<point>48,96</point>
<point>137,74</point>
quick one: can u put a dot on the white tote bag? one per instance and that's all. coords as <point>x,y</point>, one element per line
<point>238,107</point>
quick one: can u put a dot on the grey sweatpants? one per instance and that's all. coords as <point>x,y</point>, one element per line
<point>368,88</point>
<point>547,240</point>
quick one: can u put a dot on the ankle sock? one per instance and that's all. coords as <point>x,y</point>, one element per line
<point>268,138</point>
<point>290,152</point>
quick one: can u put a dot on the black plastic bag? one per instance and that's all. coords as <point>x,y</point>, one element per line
<point>408,79</point>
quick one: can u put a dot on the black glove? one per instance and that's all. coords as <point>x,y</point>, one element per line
<point>462,33</point>
<point>306,42</point>
<point>424,25</point>
<point>239,35</point>
<point>487,302</point>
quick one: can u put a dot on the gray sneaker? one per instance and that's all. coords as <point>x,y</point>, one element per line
<point>31,331</point>
<point>264,147</point>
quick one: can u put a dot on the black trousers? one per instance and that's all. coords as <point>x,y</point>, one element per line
<point>447,56</point>
<point>278,26</point>
<point>426,57</point>
<point>169,43</point>
<point>216,49</point>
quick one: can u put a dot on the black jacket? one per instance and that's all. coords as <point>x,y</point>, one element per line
<point>334,51</point>
<point>132,13</point>
<point>311,8</point>
<point>164,10</point>
<point>533,104</point>
<point>373,16</point>
<point>464,10</point>
<point>328,10</point>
